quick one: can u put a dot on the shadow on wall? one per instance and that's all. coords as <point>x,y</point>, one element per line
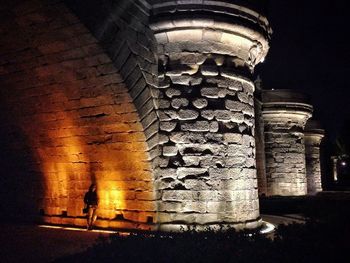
<point>20,178</point>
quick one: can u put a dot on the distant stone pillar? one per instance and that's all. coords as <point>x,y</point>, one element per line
<point>207,174</point>
<point>313,138</point>
<point>335,168</point>
<point>285,113</point>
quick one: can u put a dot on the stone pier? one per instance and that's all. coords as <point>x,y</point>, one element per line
<point>285,113</point>
<point>206,174</point>
<point>335,168</point>
<point>259,140</point>
<point>313,137</point>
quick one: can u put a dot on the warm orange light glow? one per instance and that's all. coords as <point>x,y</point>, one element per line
<point>84,230</point>
<point>80,141</point>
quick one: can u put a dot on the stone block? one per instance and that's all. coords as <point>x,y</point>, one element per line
<point>239,150</point>
<point>177,195</point>
<point>233,138</point>
<point>187,137</point>
<point>214,126</point>
<point>186,80</point>
<point>212,92</point>
<point>179,102</point>
<point>243,97</point>
<point>171,92</point>
<point>187,114</point>
<point>170,150</point>
<point>191,160</point>
<point>163,104</point>
<point>222,115</point>
<point>208,114</point>
<point>200,103</point>
<point>169,206</point>
<point>235,105</point>
<point>198,126</point>
<point>167,126</point>
<point>196,185</point>
<point>162,138</point>
<point>237,117</point>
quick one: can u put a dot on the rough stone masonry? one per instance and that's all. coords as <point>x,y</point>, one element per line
<point>206,174</point>
<point>151,100</point>
<point>313,137</point>
<point>285,113</point>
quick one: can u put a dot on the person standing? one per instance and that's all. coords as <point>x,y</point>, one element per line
<point>91,202</point>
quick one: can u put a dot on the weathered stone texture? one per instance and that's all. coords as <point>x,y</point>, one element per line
<point>133,112</point>
<point>208,171</point>
<point>313,138</point>
<point>206,109</point>
<point>121,27</point>
<point>284,121</point>
<point>260,143</point>
<point>73,118</point>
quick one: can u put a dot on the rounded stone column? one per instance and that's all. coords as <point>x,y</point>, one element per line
<point>313,137</point>
<point>285,113</point>
<point>335,168</point>
<point>207,172</point>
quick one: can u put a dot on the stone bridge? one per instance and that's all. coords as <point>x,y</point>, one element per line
<point>151,100</point>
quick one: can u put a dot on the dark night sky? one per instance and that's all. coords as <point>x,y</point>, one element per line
<point>310,52</point>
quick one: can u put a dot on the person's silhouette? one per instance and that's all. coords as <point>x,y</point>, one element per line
<point>91,201</point>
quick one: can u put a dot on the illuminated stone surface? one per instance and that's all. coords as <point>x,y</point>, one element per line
<point>259,140</point>
<point>285,113</point>
<point>154,102</point>
<point>313,137</point>
<point>207,173</point>
<point>334,168</point>
<point>69,119</point>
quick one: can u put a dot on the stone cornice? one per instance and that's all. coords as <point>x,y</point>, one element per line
<point>240,31</point>
<point>286,104</point>
<point>280,115</point>
<point>313,139</point>
<point>313,129</point>
<point>223,7</point>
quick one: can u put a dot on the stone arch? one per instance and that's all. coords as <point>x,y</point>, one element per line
<point>77,116</point>
<point>121,28</point>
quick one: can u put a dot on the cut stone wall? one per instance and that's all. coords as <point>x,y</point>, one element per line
<point>159,113</point>
<point>285,113</point>
<point>313,137</point>
<point>68,119</point>
<point>207,170</point>
<point>121,27</point>
<point>259,140</point>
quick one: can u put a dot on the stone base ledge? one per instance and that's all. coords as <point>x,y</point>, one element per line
<point>128,225</point>
<point>100,223</point>
<point>223,227</point>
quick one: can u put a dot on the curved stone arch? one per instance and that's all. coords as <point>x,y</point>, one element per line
<point>122,30</point>
<point>79,118</point>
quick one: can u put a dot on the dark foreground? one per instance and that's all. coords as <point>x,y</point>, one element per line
<point>324,238</point>
<point>294,243</point>
<point>31,243</point>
